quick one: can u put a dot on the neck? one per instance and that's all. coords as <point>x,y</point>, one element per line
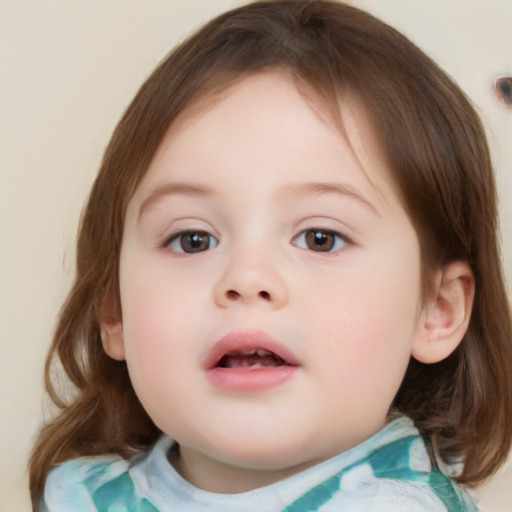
<point>215,476</point>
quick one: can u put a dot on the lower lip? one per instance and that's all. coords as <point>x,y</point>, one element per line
<point>260,379</point>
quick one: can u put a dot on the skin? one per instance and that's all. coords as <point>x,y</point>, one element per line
<point>239,172</point>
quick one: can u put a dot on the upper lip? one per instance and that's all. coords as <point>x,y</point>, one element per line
<point>246,341</point>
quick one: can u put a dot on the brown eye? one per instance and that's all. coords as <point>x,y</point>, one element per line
<point>320,240</point>
<point>191,242</point>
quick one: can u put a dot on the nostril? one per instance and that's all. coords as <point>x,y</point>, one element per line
<point>232,295</point>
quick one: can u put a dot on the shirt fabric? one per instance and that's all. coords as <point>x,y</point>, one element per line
<point>390,472</point>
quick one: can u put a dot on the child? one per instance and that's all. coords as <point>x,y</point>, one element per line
<point>288,291</point>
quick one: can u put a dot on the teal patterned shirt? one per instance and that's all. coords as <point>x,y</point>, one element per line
<point>390,472</point>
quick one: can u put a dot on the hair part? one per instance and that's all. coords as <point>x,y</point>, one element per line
<point>436,149</point>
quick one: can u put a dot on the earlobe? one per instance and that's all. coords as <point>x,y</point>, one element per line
<point>111,331</point>
<point>446,314</point>
<point>112,340</point>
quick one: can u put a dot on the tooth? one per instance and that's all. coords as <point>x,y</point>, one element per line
<point>262,353</point>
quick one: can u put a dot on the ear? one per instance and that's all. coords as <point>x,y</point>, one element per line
<point>446,314</point>
<point>111,330</point>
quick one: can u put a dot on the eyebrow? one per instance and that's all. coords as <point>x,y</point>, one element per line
<point>171,189</point>
<point>301,189</point>
<point>332,188</point>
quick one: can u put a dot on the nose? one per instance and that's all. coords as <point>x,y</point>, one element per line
<point>251,279</point>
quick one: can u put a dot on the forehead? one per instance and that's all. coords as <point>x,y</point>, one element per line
<point>275,102</point>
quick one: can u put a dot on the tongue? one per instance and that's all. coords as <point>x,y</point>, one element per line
<point>253,361</point>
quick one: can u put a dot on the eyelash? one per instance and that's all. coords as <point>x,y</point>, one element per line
<point>179,235</point>
<point>339,241</point>
<point>329,241</point>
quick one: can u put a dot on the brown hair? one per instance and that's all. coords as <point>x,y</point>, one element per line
<point>436,148</point>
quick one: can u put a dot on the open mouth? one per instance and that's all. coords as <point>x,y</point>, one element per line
<point>250,359</point>
<point>248,350</point>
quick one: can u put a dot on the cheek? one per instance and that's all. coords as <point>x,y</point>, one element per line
<point>157,322</point>
<point>156,298</point>
<point>158,327</point>
<point>379,300</point>
<point>365,361</point>
<point>371,320</point>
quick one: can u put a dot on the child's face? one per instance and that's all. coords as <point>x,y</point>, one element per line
<point>257,228</point>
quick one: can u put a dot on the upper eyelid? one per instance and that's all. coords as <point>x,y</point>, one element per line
<point>320,226</point>
<point>320,223</point>
<point>178,232</point>
<point>336,232</point>
<point>344,240</point>
<point>187,224</point>
<point>172,237</point>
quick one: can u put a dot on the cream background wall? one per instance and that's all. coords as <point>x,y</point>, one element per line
<point>68,68</point>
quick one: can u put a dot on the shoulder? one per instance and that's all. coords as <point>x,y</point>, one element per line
<point>93,484</point>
